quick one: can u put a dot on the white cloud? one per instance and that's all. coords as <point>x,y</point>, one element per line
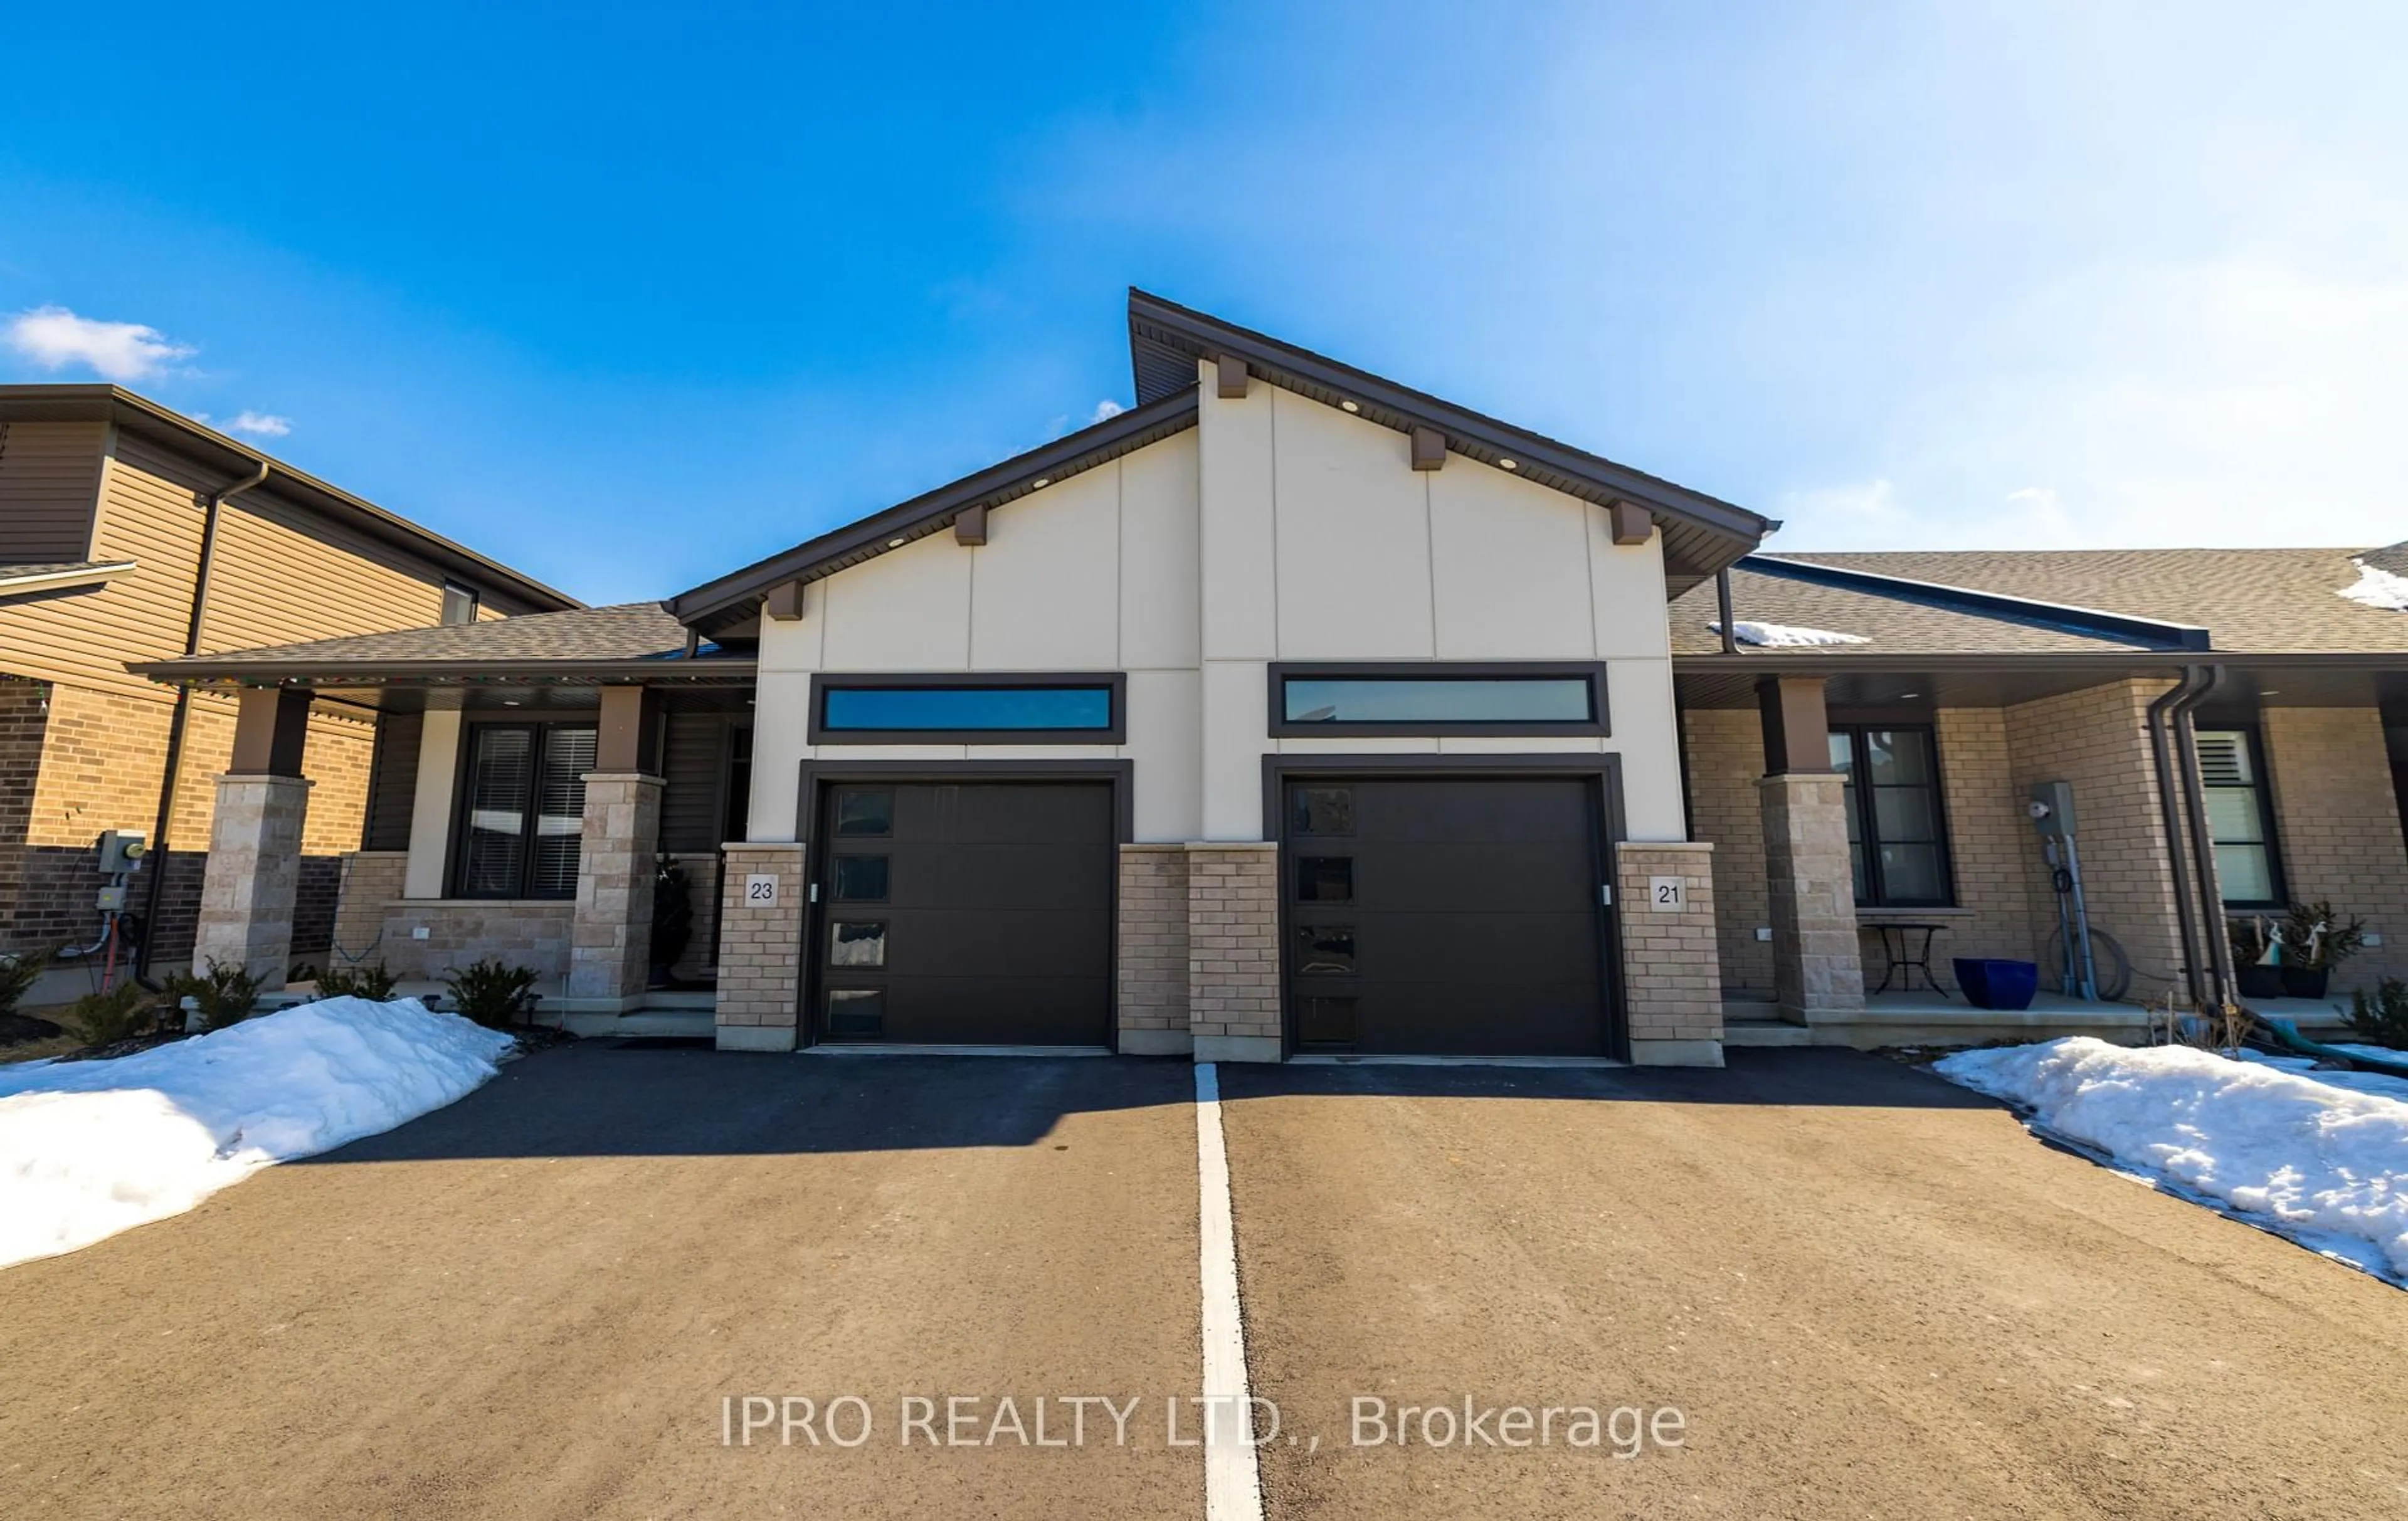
<point>1105,410</point>
<point>55,337</point>
<point>266,425</point>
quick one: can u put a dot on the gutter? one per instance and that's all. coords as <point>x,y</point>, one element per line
<point>183,715</point>
<point>2218,945</point>
<point>2192,686</point>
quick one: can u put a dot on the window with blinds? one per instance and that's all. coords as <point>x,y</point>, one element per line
<point>522,809</point>
<point>2240,818</point>
<point>1898,840</point>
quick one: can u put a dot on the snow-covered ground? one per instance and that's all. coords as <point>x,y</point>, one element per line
<point>2322,1163</point>
<point>88,1149</point>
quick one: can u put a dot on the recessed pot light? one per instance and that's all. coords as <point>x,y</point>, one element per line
<point>1509,465</point>
<point>1348,406</point>
<point>895,543</point>
<point>1040,482</point>
<point>1904,695</point>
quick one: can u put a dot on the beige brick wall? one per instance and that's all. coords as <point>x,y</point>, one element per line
<point>1154,948</point>
<point>371,880</point>
<point>2097,738</point>
<point>2337,821</point>
<point>760,948</point>
<point>1726,756</point>
<point>1671,976</point>
<point>1991,845</point>
<point>1233,986</point>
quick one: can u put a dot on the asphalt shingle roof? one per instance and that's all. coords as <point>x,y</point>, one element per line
<point>2252,601</point>
<point>630,631</point>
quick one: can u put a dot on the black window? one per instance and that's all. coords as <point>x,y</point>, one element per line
<point>861,879</point>
<point>458,603</point>
<point>1438,699</point>
<point>1898,841</point>
<point>522,811</point>
<point>1059,710</point>
<point>2240,818</point>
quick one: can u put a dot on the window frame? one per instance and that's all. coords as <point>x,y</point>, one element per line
<point>457,861</point>
<point>2253,736</point>
<point>1597,725</point>
<point>467,598</point>
<point>1859,790</point>
<point>1114,684</point>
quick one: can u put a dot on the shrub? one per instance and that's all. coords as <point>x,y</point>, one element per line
<point>672,916</point>
<point>122,1012</point>
<point>225,996</point>
<point>2315,936</point>
<point>17,974</point>
<point>493,993</point>
<point>2382,1020</point>
<point>374,983</point>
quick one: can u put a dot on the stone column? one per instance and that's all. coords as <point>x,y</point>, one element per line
<point>254,867</point>
<point>1671,973</point>
<point>611,938</point>
<point>1153,972</point>
<point>1817,972</point>
<point>761,945</point>
<point>1817,966</point>
<point>1233,981</point>
<point>254,876</point>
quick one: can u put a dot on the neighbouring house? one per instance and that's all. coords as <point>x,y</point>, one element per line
<point>1293,711</point>
<point>131,534</point>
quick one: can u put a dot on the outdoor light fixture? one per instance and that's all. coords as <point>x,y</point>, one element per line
<point>1349,406</point>
<point>894,543</point>
<point>1509,465</point>
<point>1040,482</point>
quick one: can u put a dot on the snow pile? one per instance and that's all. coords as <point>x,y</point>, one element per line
<point>1784,636</point>
<point>88,1149</point>
<point>2375,1083</point>
<point>2318,1163</point>
<point>2377,588</point>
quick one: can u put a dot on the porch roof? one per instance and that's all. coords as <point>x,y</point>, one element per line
<point>633,643</point>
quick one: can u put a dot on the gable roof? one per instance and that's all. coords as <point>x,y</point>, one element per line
<point>148,418</point>
<point>1702,533</point>
<point>726,601</point>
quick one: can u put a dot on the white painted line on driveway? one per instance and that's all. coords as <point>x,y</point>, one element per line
<point>1232,1484</point>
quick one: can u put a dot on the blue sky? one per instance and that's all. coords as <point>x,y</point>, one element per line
<point>629,297</point>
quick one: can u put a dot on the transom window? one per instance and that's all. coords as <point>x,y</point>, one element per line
<point>2240,818</point>
<point>1898,843</point>
<point>522,809</point>
<point>888,709</point>
<point>1439,699</point>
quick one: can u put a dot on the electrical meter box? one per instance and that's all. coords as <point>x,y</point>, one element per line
<point>2052,807</point>
<point>120,852</point>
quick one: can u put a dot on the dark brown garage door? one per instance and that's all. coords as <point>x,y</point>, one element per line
<point>1456,916</point>
<point>970,913</point>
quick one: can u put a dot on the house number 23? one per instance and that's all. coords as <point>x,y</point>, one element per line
<point>761,890</point>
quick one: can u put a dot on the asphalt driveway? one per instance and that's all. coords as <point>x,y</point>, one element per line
<point>1862,1291</point>
<point>1865,1292</point>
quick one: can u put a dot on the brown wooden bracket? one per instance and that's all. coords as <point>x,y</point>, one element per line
<point>1429,449</point>
<point>970,527</point>
<point>1632,523</point>
<point>1232,377</point>
<point>785,601</point>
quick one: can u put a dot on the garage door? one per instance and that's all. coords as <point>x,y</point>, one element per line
<point>970,913</point>
<point>1430,916</point>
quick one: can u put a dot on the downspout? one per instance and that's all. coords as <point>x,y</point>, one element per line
<point>2160,750</point>
<point>177,724</point>
<point>2218,945</point>
<point>1722,598</point>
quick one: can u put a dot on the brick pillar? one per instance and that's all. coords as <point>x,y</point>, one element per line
<point>254,876</point>
<point>1671,973</point>
<point>610,938</point>
<point>1152,972</point>
<point>760,946</point>
<point>1233,986</point>
<point>1817,972</point>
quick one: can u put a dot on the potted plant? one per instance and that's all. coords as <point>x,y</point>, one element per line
<point>2256,957</point>
<point>2315,941</point>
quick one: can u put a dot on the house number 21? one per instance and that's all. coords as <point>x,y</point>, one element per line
<point>1664,895</point>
